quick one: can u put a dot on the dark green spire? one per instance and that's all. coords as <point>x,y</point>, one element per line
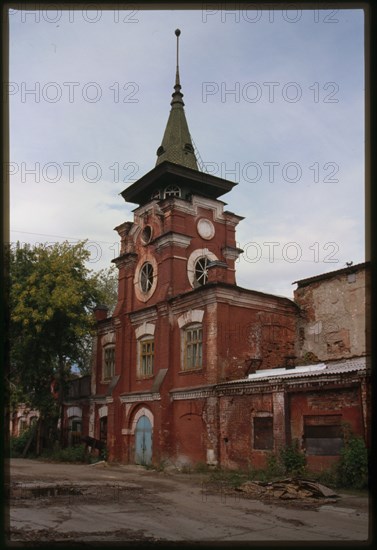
<point>176,144</point>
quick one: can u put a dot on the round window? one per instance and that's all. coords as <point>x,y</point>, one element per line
<point>201,270</point>
<point>146,277</point>
<point>146,234</point>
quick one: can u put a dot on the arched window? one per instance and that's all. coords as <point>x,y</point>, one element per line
<point>192,347</point>
<point>145,349</point>
<point>146,354</point>
<point>108,363</point>
<point>172,191</point>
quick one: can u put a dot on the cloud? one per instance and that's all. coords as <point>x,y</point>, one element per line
<point>131,68</point>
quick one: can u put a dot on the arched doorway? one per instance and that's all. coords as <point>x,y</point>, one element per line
<point>143,441</point>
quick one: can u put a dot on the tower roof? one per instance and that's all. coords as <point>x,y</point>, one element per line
<point>176,166</point>
<point>176,146</point>
<point>168,173</point>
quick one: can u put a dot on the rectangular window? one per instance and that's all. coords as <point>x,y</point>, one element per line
<point>146,357</point>
<point>193,358</point>
<point>109,363</point>
<point>263,433</point>
<point>323,435</point>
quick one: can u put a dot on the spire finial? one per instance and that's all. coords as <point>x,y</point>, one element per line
<point>177,34</point>
<point>176,144</point>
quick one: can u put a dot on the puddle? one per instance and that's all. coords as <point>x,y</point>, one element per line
<point>44,492</point>
<point>40,492</point>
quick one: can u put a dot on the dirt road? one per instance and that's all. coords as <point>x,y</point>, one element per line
<point>106,504</point>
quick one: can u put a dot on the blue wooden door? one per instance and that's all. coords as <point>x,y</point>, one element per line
<point>143,441</point>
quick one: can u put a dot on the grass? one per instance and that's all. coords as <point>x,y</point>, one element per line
<point>76,453</point>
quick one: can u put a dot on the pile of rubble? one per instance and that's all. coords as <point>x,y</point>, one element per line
<point>287,489</point>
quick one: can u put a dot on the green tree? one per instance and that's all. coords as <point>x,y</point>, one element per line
<point>107,286</point>
<point>51,295</point>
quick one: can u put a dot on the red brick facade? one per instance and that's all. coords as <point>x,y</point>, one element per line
<point>239,329</point>
<point>215,412</point>
<point>192,368</point>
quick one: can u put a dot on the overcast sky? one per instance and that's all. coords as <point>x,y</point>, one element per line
<point>273,100</point>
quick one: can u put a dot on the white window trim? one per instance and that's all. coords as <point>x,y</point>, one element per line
<point>176,187</point>
<point>108,338</point>
<point>190,317</point>
<point>74,411</point>
<point>140,295</point>
<point>139,413</point>
<point>145,329</point>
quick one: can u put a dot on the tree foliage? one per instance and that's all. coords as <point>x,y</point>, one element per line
<point>353,464</point>
<point>107,286</point>
<point>107,294</point>
<point>51,296</point>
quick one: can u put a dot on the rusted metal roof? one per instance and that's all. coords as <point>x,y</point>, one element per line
<point>330,274</point>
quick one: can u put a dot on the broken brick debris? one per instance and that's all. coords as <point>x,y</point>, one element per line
<point>287,489</point>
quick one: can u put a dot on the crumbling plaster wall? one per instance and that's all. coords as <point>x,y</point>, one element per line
<point>332,324</point>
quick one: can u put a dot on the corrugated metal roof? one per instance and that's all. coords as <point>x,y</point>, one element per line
<point>323,369</point>
<point>306,369</point>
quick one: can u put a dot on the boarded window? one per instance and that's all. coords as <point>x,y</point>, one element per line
<point>323,435</point>
<point>263,433</point>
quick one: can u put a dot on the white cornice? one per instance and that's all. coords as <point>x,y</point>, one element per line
<point>172,239</point>
<point>231,252</point>
<point>140,397</point>
<point>231,295</point>
<point>193,393</point>
<point>192,208</point>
